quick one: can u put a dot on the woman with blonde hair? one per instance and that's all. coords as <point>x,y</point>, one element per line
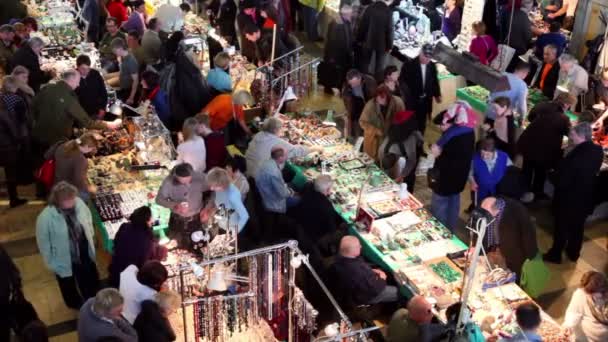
<point>65,238</point>
<point>483,46</point>
<point>71,164</point>
<point>192,149</point>
<point>227,200</point>
<point>587,313</point>
<point>152,323</point>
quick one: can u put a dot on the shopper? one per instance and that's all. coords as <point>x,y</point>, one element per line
<point>227,114</point>
<point>71,164</point>
<point>586,313</point>
<point>310,10</point>
<point>136,21</point>
<point>137,285</point>
<point>12,299</point>
<point>7,46</point>
<point>215,143</point>
<point>488,169</point>
<point>564,13</point>
<point>548,76</point>
<point>375,37</point>
<point>56,111</point>
<point>237,168</point>
<point>134,244</point>
<point>263,41</point>
<point>218,78</point>
<point>391,80</point>
<point>403,141</point>
<point>419,85</point>
<point>172,17</point>
<point>265,141</point>
<point>152,324</point>
<point>91,15</point>
<point>135,48</point>
<point>276,196</point>
<point>356,282</point>
<point>511,237</point>
<point>227,199</point>
<point>553,37</point>
<point>22,75</point>
<point>118,11</point>
<point>127,78</point>
<point>517,93</point>
<point>528,318</point>
<point>108,59</point>
<point>151,43</point>
<point>451,21</point>
<point>248,16</point>
<point>540,144</point>
<point>192,150</point>
<point>376,119</point>
<point>449,175</point>
<point>357,91</point>
<point>483,46</point>
<point>28,56</point>
<point>11,9</point>
<point>574,189</point>
<point>573,75</point>
<point>182,192</point>
<point>414,323</point>
<point>14,137</point>
<point>65,237</point>
<point>516,33</point>
<point>91,91</point>
<point>338,53</point>
<point>101,317</point>
<point>502,127</point>
<point>151,91</point>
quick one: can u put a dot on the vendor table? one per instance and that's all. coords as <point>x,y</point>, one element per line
<point>477,97</point>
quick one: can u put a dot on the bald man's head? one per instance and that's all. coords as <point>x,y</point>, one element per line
<point>420,310</point>
<point>350,247</point>
<point>489,204</point>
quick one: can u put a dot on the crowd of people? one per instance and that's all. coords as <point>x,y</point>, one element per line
<point>145,60</point>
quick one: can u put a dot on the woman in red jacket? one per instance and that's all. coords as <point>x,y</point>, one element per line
<point>483,46</point>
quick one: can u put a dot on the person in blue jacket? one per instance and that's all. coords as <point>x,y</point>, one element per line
<point>488,167</point>
<point>150,82</point>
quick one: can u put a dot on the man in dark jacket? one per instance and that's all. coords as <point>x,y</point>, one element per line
<point>419,84</point>
<point>451,170</point>
<point>152,324</point>
<point>521,33</point>
<point>101,316</point>
<point>375,37</point>
<point>548,74</point>
<point>541,142</point>
<point>358,89</point>
<point>357,282</point>
<point>248,15</point>
<point>574,188</point>
<point>28,56</point>
<point>512,235</point>
<point>338,55</point>
<point>91,91</point>
<point>11,9</point>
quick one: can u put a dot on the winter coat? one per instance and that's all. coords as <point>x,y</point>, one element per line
<point>375,124</point>
<point>454,163</point>
<point>354,105</point>
<point>26,57</point>
<point>151,325</point>
<point>53,237</point>
<point>412,89</point>
<point>376,29</point>
<point>541,141</point>
<point>190,91</point>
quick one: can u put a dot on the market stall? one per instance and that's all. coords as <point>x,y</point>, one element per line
<point>402,237</point>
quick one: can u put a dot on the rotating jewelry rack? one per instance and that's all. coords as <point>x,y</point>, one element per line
<point>271,276</point>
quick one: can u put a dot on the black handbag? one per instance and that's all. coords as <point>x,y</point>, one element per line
<point>432,178</point>
<point>22,312</point>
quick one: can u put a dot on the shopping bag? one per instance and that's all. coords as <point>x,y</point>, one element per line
<point>504,57</point>
<point>534,276</point>
<point>46,173</point>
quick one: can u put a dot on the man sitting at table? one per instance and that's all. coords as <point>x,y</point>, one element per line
<point>414,323</point>
<point>548,76</point>
<point>356,281</point>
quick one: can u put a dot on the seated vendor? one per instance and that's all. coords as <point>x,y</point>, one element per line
<point>356,281</point>
<point>553,37</point>
<point>414,323</point>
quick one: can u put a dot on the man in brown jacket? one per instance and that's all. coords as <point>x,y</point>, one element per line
<point>358,89</point>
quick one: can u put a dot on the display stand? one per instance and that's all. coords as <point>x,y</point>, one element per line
<point>270,294</point>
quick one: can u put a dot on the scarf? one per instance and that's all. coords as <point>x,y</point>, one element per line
<point>492,235</point>
<point>599,312</point>
<point>75,232</point>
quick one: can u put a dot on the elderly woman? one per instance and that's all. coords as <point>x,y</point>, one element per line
<point>101,317</point>
<point>270,137</point>
<point>153,324</point>
<point>65,237</point>
<point>488,168</point>
<point>218,78</point>
<point>587,313</point>
<point>572,76</point>
<point>376,119</point>
<point>228,199</point>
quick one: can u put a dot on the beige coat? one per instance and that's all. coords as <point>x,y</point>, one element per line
<point>375,125</point>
